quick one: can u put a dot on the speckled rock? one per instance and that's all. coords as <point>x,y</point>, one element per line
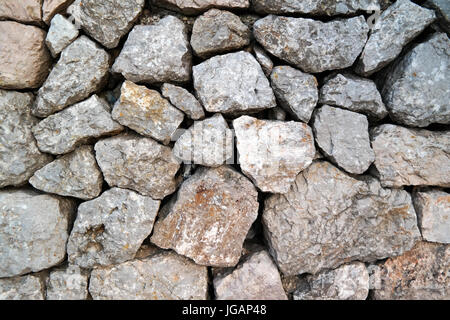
<point>397,25</point>
<point>207,143</point>
<point>29,287</point>
<point>106,21</point>
<point>51,7</point>
<point>272,153</point>
<point>62,32</point>
<point>209,217</point>
<point>75,174</point>
<point>329,218</point>
<point>233,83</point>
<point>138,163</point>
<point>183,100</point>
<point>355,94</point>
<point>256,278</point>
<point>347,282</point>
<point>24,58</point>
<point>69,283</point>
<point>313,46</point>
<point>27,11</point>
<point>64,131</point>
<point>33,231</point>
<point>197,6</point>
<point>19,154</point>
<point>295,91</point>
<point>146,112</point>
<point>264,60</point>
<point>416,91</point>
<point>411,156</point>
<point>156,53</point>
<point>80,71</point>
<point>163,276</point>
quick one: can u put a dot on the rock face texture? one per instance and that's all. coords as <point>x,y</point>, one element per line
<point>19,154</point>
<point>410,156</point>
<point>196,6</point>
<point>329,218</point>
<point>209,217</point>
<point>311,45</point>
<point>415,92</point>
<point>27,287</point>
<point>163,276</point>
<point>24,58</point>
<point>33,231</point>
<point>51,7</point>
<point>183,100</point>
<point>70,283</point>
<point>272,153</point>
<point>62,32</point>
<point>263,59</point>
<point>27,11</point>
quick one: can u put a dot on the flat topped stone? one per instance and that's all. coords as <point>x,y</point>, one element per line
<point>28,287</point>
<point>197,6</point>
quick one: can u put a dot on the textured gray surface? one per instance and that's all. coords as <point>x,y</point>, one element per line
<point>264,60</point>
<point>61,33</point>
<point>29,287</point>
<point>197,6</point>
<point>183,100</point>
<point>69,283</point>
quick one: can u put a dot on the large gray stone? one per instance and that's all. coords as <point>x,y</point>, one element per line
<point>197,6</point>
<point>61,33</point>
<point>29,287</point>
<point>183,100</point>
<point>69,283</point>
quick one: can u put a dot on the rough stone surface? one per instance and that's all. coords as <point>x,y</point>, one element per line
<point>183,100</point>
<point>62,32</point>
<point>29,287</point>
<point>24,58</point>
<point>311,45</point>
<point>343,136</point>
<point>396,26</point>
<point>295,91</point>
<point>329,218</point>
<point>272,153</point>
<point>347,282</point>
<point>355,94</point>
<point>19,154</point>
<point>232,83</point>
<point>416,92</point>
<point>33,231</point>
<point>64,131</point>
<point>433,213</point>
<point>209,217</point>
<point>51,7</point>
<point>138,163</point>
<point>75,174</point>
<point>419,274</point>
<point>146,112</point>
<point>411,156</point>
<point>156,53</point>
<point>256,278</point>
<point>442,9</point>
<point>69,283</point>
<point>106,21</point>
<point>111,228</point>
<point>264,60</point>
<point>163,276</point>
<point>80,71</point>
<point>218,31</point>
<point>196,6</point>
<point>28,11</point>
<point>207,143</point>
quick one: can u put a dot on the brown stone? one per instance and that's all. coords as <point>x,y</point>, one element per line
<point>28,11</point>
<point>52,7</point>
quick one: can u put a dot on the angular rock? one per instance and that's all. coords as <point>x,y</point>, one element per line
<point>29,287</point>
<point>419,274</point>
<point>296,91</point>
<point>207,143</point>
<point>256,278</point>
<point>343,136</point>
<point>411,157</point>
<point>75,175</point>
<point>433,213</point>
<point>163,276</point>
<point>183,100</point>
<point>232,83</point>
<point>28,11</point>
<point>64,131</point>
<point>19,154</point>
<point>197,6</point>
<point>264,60</point>
<point>81,70</point>
<point>313,46</point>
<point>70,283</point>
<point>397,25</point>
<point>272,153</point>
<point>442,10</point>
<point>218,31</point>
<point>156,53</point>
<point>106,21</point>
<point>33,231</point>
<point>62,32</point>
<point>24,59</point>
<point>51,7</point>
<point>416,91</point>
<point>146,112</point>
<point>209,217</point>
<point>329,218</point>
<point>138,163</point>
<point>277,113</point>
<point>111,228</point>
<point>355,94</point>
<point>347,282</point>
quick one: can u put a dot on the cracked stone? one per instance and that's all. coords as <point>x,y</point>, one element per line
<point>61,33</point>
<point>196,6</point>
<point>29,287</point>
<point>69,283</point>
<point>27,11</point>
<point>264,59</point>
<point>183,100</point>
